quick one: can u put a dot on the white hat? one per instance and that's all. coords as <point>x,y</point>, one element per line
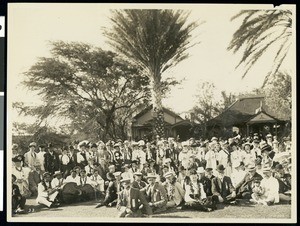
<point>214,138</point>
<point>200,170</point>
<point>141,143</point>
<point>168,174</point>
<point>32,144</point>
<point>118,173</point>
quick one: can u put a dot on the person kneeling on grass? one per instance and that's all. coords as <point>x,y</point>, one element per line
<point>222,188</point>
<point>195,197</point>
<point>18,201</point>
<point>47,194</point>
<point>131,201</point>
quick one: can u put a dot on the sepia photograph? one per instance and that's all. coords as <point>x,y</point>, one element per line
<point>151,113</point>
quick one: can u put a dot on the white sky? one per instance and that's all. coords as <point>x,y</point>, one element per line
<point>31,26</point>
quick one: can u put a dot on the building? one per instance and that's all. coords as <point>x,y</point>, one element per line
<point>248,115</point>
<point>142,125</point>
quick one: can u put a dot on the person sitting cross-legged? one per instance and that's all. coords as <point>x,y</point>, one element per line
<point>195,198</point>
<point>156,194</point>
<point>18,201</point>
<point>222,188</point>
<point>131,201</point>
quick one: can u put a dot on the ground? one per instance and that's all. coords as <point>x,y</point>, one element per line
<point>87,209</point>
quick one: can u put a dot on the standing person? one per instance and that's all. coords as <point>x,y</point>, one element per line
<point>47,194</point>
<point>41,157</point>
<point>211,158</point>
<point>155,194</point>
<point>224,158</point>
<point>130,200</point>
<point>237,155</point>
<point>30,157</point>
<point>51,160</point>
<point>174,190</point>
<point>18,201</point>
<point>195,198</point>
<point>81,156</point>
<point>222,188</point>
<point>22,175</point>
<point>250,154</point>
<point>256,147</point>
<point>65,162</point>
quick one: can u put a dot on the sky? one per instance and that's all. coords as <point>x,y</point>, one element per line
<point>32,26</point>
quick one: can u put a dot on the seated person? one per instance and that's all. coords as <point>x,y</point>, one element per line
<point>34,178</point>
<point>138,183</point>
<point>270,187</point>
<point>156,194</point>
<point>222,188</point>
<point>257,195</point>
<point>174,190</point>
<point>111,196</point>
<point>18,201</point>
<point>47,194</point>
<point>73,177</point>
<point>204,180</point>
<point>284,180</point>
<point>131,201</point>
<point>58,182</point>
<point>195,197</point>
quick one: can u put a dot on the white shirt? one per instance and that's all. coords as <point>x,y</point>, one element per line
<point>237,176</point>
<point>72,179</point>
<point>97,182</point>
<point>196,189</point>
<point>57,182</point>
<point>271,188</point>
<point>211,159</point>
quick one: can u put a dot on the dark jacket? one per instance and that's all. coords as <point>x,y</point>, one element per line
<point>51,163</point>
<point>224,188</point>
<point>206,185</point>
<point>246,184</point>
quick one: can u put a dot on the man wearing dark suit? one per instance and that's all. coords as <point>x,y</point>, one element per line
<point>222,188</point>
<point>244,188</point>
<point>131,202</point>
<point>156,194</point>
<point>138,183</point>
<point>51,162</point>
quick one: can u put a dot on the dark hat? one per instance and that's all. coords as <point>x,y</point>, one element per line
<point>46,174</point>
<point>193,172</point>
<point>181,168</point>
<point>93,145</point>
<point>18,158</point>
<point>208,169</point>
<point>82,171</point>
<point>256,141</point>
<point>220,168</point>
<point>110,176</point>
<point>256,180</point>
<point>42,145</point>
<point>76,167</point>
<point>135,161</point>
<point>233,144</point>
<point>278,167</point>
<point>266,147</point>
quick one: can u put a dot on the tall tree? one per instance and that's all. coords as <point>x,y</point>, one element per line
<point>155,40</point>
<point>88,86</point>
<point>260,31</point>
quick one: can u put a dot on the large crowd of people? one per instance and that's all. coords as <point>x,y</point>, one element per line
<point>140,178</point>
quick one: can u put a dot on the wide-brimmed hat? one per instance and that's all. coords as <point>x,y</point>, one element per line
<point>46,174</point>
<point>126,179</point>
<point>32,144</point>
<point>57,173</point>
<point>110,176</point>
<point>200,170</point>
<point>251,167</point>
<point>169,174</point>
<point>138,173</point>
<point>151,175</point>
<point>18,158</point>
<point>220,168</point>
<point>116,174</point>
<point>266,148</point>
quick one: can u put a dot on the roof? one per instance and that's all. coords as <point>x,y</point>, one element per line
<point>262,117</point>
<point>242,110</point>
<point>150,107</point>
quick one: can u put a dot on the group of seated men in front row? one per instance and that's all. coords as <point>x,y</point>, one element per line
<point>153,186</point>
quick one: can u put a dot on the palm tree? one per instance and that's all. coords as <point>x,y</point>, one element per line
<point>259,31</point>
<point>155,40</point>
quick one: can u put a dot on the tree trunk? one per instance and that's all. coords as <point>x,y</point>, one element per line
<point>158,113</point>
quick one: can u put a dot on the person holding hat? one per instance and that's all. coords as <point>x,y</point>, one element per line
<point>270,187</point>
<point>111,195</point>
<point>131,201</point>
<point>174,190</point>
<point>222,188</point>
<point>22,175</point>
<point>244,188</point>
<point>18,201</point>
<point>51,162</point>
<point>138,183</point>
<point>155,194</point>
<point>46,194</point>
